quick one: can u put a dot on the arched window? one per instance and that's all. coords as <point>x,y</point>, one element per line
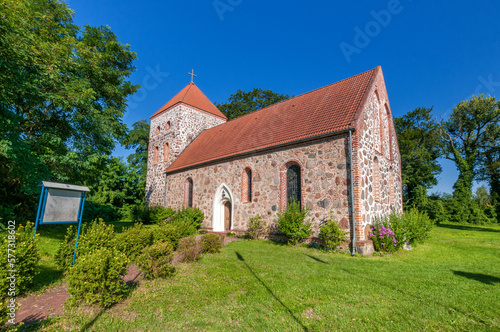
<point>166,149</point>
<point>293,184</point>
<point>376,122</point>
<point>376,180</point>
<point>188,192</point>
<point>246,185</point>
<point>155,159</point>
<point>388,152</point>
<point>167,126</point>
<point>158,129</point>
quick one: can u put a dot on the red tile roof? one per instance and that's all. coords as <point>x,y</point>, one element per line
<point>191,96</point>
<point>326,110</point>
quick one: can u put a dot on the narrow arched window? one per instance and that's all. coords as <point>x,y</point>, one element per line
<point>166,149</point>
<point>293,184</point>
<point>246,186</point>
<point>167,126</point>
<point>376,179</point>
<point>388,151</point>
<point>188,192</point>
<point>158,129</point>
<point>155,159</point>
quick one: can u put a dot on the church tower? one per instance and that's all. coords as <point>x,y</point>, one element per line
<point>173,127</point>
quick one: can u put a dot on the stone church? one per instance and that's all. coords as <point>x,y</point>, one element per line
<point>307,148</point>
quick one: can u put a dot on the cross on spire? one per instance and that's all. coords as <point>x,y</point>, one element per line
<point>192,75</point>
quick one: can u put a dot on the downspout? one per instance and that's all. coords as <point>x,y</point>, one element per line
<point>165,192</point>
<point>351,190</point>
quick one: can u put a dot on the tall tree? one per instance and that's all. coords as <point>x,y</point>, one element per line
<point>63,92</point>
<point>242,102</point>
<point>490,171</point>
<point>471,136</point>
<point>138,139</point>
<point>419,145</point>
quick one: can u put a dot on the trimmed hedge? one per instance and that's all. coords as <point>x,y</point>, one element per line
<point>156,261</point>
<point>96,278</point>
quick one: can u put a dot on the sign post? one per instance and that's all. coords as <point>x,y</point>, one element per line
<point>61,204</point>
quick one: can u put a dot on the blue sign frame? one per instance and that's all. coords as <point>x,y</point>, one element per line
<point>43,203</point>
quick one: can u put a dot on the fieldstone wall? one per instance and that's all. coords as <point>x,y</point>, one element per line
<point>377,166</point>
<point>324,177</point>
<point>178,127</point>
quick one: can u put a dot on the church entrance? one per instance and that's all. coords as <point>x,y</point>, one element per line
<point>227,216</point>
<point>223,209</point>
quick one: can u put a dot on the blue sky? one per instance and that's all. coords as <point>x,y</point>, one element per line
<point>432,53</point>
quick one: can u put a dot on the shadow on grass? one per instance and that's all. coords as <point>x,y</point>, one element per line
<point>91,323</point>
<point>316,259</point>
<point>57,231</point>
<point>484,278</point>
<point>469,228</point>
<point>278,240</point>
<point>36,324</point>
<point>132,285</point>
<point>270,291</point>
<point>47,276</point>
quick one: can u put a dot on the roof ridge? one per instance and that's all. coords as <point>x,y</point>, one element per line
<point>304,94</point>
<point>191,96</point>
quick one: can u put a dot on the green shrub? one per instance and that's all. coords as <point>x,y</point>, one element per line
<point>185,228</point>
<point>436,210</point>
<point>156,260</point>
<point>93,236</point>
<point>411,227</point>
<point>189,249</point>
<point>190,215</point>
<point>149,215</point>
<point>92,210</point>
<point>292,222</point>
<point>133,240</point>
<point>332,235</point>
<point>64,254</point>
<point>159,214</point>
<point>469,211</point>
<point>139,213</point>
<point>418,224</point>
<point>24,259</point>
<point>96,278</point>
<point>168,232</point>
<point>96,235</point>
<point>4,310</point>
<point>211,243</point>
<point>256,228</point>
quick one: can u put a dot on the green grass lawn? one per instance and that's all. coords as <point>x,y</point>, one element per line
<point>452,282</point>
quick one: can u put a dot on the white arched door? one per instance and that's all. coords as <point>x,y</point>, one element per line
<point>223,209</point>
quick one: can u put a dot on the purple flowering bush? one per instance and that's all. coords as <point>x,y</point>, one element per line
<point>383,238</point>
<point>392,232</point>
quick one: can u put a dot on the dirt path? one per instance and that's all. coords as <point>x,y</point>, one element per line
<point>36,308</point>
